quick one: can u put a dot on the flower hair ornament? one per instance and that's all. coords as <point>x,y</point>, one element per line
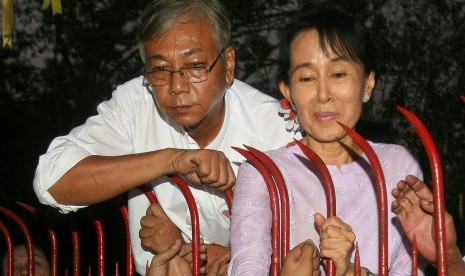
<point>285,110</point>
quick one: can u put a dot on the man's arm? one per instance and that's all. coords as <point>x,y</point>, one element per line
<point>97,178</point>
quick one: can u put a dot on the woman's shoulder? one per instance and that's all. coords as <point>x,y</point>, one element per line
<point>391,151</point>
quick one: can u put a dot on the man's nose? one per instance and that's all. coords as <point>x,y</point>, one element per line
<point>178,85</point>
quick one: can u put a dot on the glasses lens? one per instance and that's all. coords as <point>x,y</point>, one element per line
<point>194,74</point>
<point>159,77</point>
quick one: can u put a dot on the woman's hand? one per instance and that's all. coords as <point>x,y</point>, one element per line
<point>336,242</point>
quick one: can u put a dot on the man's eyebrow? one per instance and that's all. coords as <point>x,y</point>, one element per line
<point>187,53</point>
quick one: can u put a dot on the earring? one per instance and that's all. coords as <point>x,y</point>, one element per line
<point>366,98</point>
<point>290,116</point>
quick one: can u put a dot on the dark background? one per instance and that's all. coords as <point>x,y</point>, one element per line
<point>61,67</point>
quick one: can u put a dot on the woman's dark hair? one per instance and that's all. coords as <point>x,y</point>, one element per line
<point>343,34</point>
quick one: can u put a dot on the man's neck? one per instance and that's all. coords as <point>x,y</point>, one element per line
<point>208,129</point>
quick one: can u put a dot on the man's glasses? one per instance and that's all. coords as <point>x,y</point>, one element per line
<point>160,76</point>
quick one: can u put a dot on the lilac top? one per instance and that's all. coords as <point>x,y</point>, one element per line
<point>356,205</point>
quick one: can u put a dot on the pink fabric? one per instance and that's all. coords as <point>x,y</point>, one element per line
<point>356,205</point>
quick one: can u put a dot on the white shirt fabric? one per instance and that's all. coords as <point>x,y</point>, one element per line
<point>131,123</point>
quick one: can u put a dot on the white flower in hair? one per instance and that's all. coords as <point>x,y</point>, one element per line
<point>285,110</point>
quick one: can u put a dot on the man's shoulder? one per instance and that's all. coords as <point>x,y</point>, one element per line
<point>247,94</point>
<point>132,88</point>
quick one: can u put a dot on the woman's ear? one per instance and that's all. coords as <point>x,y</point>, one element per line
<point>285,90</point>
<point>230,55</point>
<point>370,84</point>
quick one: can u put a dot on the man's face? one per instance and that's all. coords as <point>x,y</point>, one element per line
<point>191,105</point>
<point>20,260</point>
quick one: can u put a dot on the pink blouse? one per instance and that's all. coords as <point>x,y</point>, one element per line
<point>356,204</point>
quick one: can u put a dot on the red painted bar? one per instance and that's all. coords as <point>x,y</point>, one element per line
<point>53,241</point>
<point>129,257</point>
<point>76,253</point>
<point>9,248</point>
<point>438,188</point>
<point>274,205</point>
<point>100,247</point>
<point>149,193</point>
<point>283,197</point>
<point>462,97</point>
<point>27,235</point>
<point>357,267</point>
<point>329,189</point>
<point>196,263</point>
<point>414,257</point>
<point>229,198</point>
<point>54,252</point>
<point>381,193</point>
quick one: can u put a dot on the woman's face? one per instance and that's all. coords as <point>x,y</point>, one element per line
<point>324,89</point>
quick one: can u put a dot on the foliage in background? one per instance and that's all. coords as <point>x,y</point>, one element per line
<point>61,67</point>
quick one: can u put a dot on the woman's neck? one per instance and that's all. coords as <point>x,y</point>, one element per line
<point>335,153</point>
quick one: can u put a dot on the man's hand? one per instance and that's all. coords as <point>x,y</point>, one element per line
<point>176,260</point>
<point>207,167</point>
<point>336,242</point>
<point>414,207</point>
<point>157,232</point>
<point>219,265</point>
<point>302,260</point>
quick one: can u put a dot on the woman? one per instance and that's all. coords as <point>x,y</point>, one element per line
<point>328,72</point>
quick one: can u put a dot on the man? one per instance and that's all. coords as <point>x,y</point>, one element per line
<point>21,262</point>
<point>200,111</point>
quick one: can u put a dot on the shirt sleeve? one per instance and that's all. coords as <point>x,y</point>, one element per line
<point>103,134</point>
<point>250,225</point>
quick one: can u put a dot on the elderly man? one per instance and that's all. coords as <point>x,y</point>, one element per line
<point>182,117</point>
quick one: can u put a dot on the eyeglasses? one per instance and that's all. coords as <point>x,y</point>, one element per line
<point>160,76</point>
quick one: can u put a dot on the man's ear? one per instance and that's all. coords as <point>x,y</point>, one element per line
<point>230,55</point>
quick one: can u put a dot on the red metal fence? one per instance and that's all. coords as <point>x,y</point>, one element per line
<point>279,205</point>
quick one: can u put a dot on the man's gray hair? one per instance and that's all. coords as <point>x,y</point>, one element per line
<point>160,16</point>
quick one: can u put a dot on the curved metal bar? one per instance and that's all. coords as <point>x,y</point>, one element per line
<point>100,247</point>
<point>194,220</point>
<point>9,249</point>
<point>54,251</point>
<point>76,253</point>
<point>274,205</point>
<point>283,198</point>
<point>415,257</point>
<point>27,235</point>
<point>129,257</point>
<point>438,188</point>
<point>149,193</point>
<point>357,266</point>
<point>381,193</point>
<point>229,198</point>
<point>53,240</point>
<point>328,186</point>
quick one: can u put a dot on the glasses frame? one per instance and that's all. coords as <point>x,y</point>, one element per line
<point>181,71</point>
